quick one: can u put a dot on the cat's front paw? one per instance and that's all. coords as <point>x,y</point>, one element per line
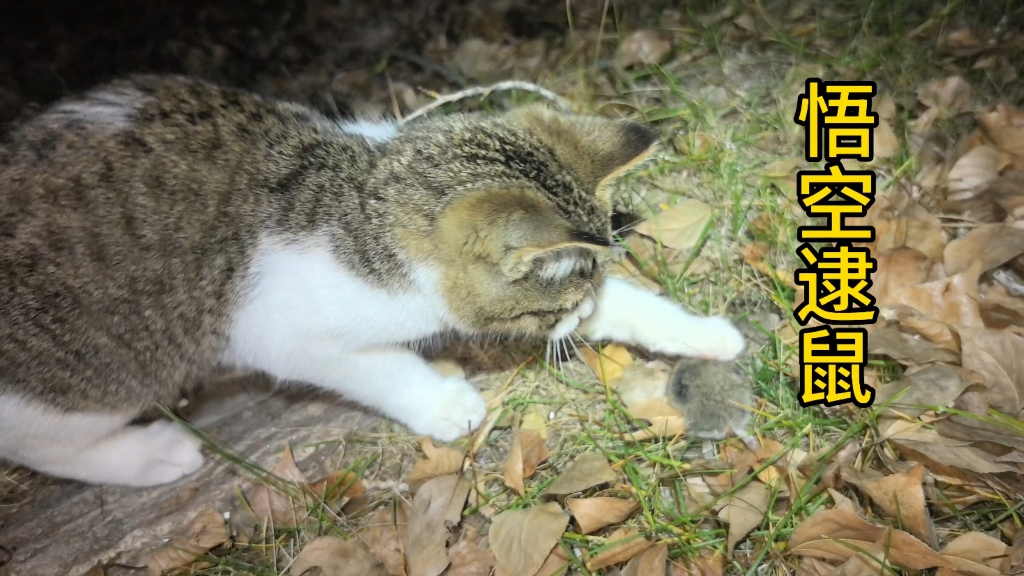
<point>155,454</point>
<point>451,409</point>
<point>711,338</point>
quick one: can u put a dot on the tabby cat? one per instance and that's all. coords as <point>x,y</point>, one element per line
<point>157,229</point>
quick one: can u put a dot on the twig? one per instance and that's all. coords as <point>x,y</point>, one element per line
<point>485,91</point>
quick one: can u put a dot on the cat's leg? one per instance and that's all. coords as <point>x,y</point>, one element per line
<point>94,447</point>
<point>396,382</point>
<point>632,315</point>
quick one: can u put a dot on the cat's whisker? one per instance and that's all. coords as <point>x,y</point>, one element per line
<point>568,358</point>
<point>559,359</point>
<point>627,227</point>
<point>577,350</point>
<point>587,344</point>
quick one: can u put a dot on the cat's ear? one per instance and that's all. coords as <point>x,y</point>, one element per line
<point>555,262</point>
<point>597,148</point>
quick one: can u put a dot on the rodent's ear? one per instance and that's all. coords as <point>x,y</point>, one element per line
<point>597,148</point>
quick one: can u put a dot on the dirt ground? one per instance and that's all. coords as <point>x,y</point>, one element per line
<point>720,81</point>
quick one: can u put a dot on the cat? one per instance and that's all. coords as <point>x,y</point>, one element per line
<point>159,228</point>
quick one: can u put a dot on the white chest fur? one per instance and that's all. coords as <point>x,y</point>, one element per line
<point>299,291</point>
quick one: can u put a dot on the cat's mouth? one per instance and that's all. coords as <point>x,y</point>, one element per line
<point>572,320</point>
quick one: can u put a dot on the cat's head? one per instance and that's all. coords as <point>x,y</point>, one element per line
<point>525,237</point>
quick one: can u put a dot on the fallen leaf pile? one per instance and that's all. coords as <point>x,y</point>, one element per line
<point>440,531</point>
<point>949,247</point>
<point>949,296</point>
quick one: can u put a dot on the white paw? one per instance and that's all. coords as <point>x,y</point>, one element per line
<point>712,338</point>
<point>156,454</point>
<point>451,409</point>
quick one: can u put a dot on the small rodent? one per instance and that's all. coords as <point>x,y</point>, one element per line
<point>712,395</point>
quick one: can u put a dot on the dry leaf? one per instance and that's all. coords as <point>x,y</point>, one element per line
<point>205,532</point>
<point>885,107</point>
<point>437,462</point>
<point>337,557</point>
<point>708,564</point>
<point>999,309</point>
<point>679,227</point>
<point>1007,191</point>
<point>652,562</point>
<point>337,486</point>
<point>267,503</point>
<point>1005,126</point>
<point>977,554</point>
<point>653,257</point>
<point>886,143</point>
<point>654,408</point>
<point>609,364</point>
<point>527,452</point>
<point>938,333</point>
<point>744,511</point>
<point>941,455</point>
<point>468,558</point>
<point>1016,553</point>
<point>437,504</point>
<point>384,535</point>
<point>906,224</point>
<point>933,385</point>
<point>521,539</point>
<point>951,300</point>
<point>898,269</point>
<point>905,348</point>
<point>835,535</point>
<point>556,564</point>
<point>952,95</point>
<point>867,562</point>
<point>843,503</point>
<point>901,497</point>
<point>642,47</point>
<point>643,391</point>
<point>976,169</point>
<point>643,382</point>
<point>621,545</point>
<point>753,255</point>
<point>588,469</point>
<point>811,566</point>
<point>925,121</point>
<point>535,421</point>
<point>659,427</point>
<point>999,357</point>
<point>960,40</point>
<point>990,245</point>
<point>592,514</point>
